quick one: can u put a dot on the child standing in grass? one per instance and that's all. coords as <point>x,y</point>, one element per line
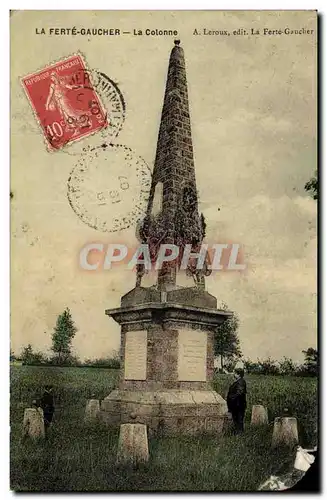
<point>47,405</point>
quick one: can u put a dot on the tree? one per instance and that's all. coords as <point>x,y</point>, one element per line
<point>62,336</point>
<point>226,341</point>
<point>312,186</point>
<point>311,361</point>
<point>30,357</point>
<point>252,366</point>
<point>287,366</point>
<point>268,366</point>
<point>27,354</point>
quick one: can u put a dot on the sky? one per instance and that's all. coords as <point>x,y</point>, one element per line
<point>253,114</point>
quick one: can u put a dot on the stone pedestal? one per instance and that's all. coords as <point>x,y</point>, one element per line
<point>167,413</point>
<point>285,432</point>
<point>132,445</point>
<point>92,411</point>
<point>167,363</point>
<point>33,423</point>
<point>259,415</point>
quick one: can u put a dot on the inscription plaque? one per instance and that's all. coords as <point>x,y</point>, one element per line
<point>192,355</point>
<point>136,355</point>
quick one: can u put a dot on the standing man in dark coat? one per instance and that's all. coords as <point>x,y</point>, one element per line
<point>47,405</point>
<point>236,400</point>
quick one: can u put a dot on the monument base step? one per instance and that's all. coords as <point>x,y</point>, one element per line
<point>167,412</point>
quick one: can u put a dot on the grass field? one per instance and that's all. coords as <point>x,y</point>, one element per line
<point>75,458</point>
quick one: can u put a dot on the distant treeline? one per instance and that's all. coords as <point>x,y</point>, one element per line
<point>35,358</point>
<point>268,366</point>
<point>286,366</point>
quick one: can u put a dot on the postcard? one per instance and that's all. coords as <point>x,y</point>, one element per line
<point>163,199</point>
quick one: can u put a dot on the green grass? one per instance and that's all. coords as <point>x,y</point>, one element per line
<point>298,394</point>
<point>75,458</point>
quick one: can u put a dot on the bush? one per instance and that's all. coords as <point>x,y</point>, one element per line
<point>35,358</point>
<point>113,362</point>
<point>284,367</point>
<point>287,366</point>
<point>262,367</point>
<point>30,357</point>
<point>69,360</point>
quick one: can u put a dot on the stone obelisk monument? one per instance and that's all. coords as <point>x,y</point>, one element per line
<point>167,328</point>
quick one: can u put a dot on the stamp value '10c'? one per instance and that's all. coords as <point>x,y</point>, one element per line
<point>66,105</point>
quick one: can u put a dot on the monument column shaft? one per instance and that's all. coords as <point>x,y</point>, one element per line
<point>174,169</point>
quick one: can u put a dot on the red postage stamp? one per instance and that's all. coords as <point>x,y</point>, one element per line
<point>66,105</point>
